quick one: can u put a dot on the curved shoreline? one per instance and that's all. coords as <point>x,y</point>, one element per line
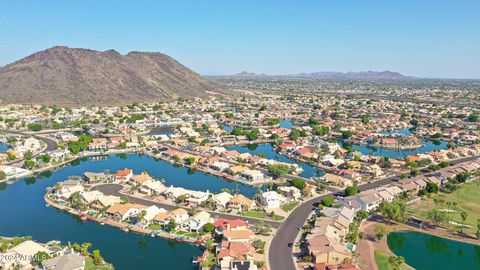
<point>116,224</point>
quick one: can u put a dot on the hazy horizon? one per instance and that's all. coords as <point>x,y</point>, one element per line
<point>428,39</point>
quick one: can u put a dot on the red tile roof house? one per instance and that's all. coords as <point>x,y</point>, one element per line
<point>223,224</point>
<point>236,250</point>
<point>231,154</point>
<point>123,175</point>
<point>303,151</point>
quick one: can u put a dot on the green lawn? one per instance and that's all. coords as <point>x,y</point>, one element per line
<point>466,198</point>
<point>289,206</point>
<point>381,258</point>
<point>155,227</point>
<point>254,214</point>
<point>278,217</point>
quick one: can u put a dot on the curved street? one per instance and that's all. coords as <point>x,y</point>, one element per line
<point>280,253</point>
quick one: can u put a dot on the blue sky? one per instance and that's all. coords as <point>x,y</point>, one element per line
<point>416,37</point>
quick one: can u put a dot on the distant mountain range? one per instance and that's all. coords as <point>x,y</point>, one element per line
<point>71,76</point>
<point>362,75</point>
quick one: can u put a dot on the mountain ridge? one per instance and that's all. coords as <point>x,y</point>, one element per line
<point>77,76</point>
<point>373,75</point>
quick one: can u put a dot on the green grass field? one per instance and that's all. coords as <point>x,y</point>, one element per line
<point>254,214</point>
<point>381,258</point>
<point>466,198</point>
<point>290,206</point>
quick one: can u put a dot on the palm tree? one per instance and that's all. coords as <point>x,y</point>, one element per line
<point>395,262</point>
<point>463,216</point>
<point>85,247</point>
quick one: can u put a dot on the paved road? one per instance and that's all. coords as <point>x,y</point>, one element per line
<point>280,254</point>
<point>114,189</point>
<point>51,144</point>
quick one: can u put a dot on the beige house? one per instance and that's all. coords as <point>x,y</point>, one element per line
<point>326,250</point>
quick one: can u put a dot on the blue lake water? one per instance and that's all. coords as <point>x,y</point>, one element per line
<point>23,213</point>
<point>4,147</point>
<point>427,252</point>
<point>427,147</point>
<point>286,123</point>
<point>267,149</point>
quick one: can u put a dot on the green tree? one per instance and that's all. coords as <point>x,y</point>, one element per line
<point>29,164</point>
<point>172,225</point>
<point>279,170</point>
<point>347,134</point>
<point>40,257</point>
<point>3,175</point>
<point>327,201</point>
<point>28,155</point>
<point>299,183</point>
<point>395,262</point>
<point>393,211</point>
<point>209,227</point>
<point>380,232</point>
<point>97,257</point>
<point>350,191</point>
<point>190,160</point>
<point>436,217</point>
<point>182,198</point>
<point>35,126</point>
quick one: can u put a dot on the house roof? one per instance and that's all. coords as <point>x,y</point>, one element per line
<point>229,223</point>
<point>238,235</point>
<point>65,262</point>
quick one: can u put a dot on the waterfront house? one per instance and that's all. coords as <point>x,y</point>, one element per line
<point>252,175</point>
<point>271,199</point>
<point>93,178</point>
<point>122,175</point>
<point>196,222</point>
<point>220,166</point>
<point>140,179</point>
<point>121,212</point>
<point>197,197</point>
<point>153,187</point>
<point>66,192</point>
<point>21,255</point>
<point>71,261</point>
<point>179,215</point>
<point>240,203</point>
<point>221,200</point>
<point>229,251</point>
<point>149,214</point>
<point>90,196</point>
<point>244,236</point>
<point>223,224</point>
<point>234,170</point>
<point>104,201</point>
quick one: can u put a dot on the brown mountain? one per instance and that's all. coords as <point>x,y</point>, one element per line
<point>68,76</point>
